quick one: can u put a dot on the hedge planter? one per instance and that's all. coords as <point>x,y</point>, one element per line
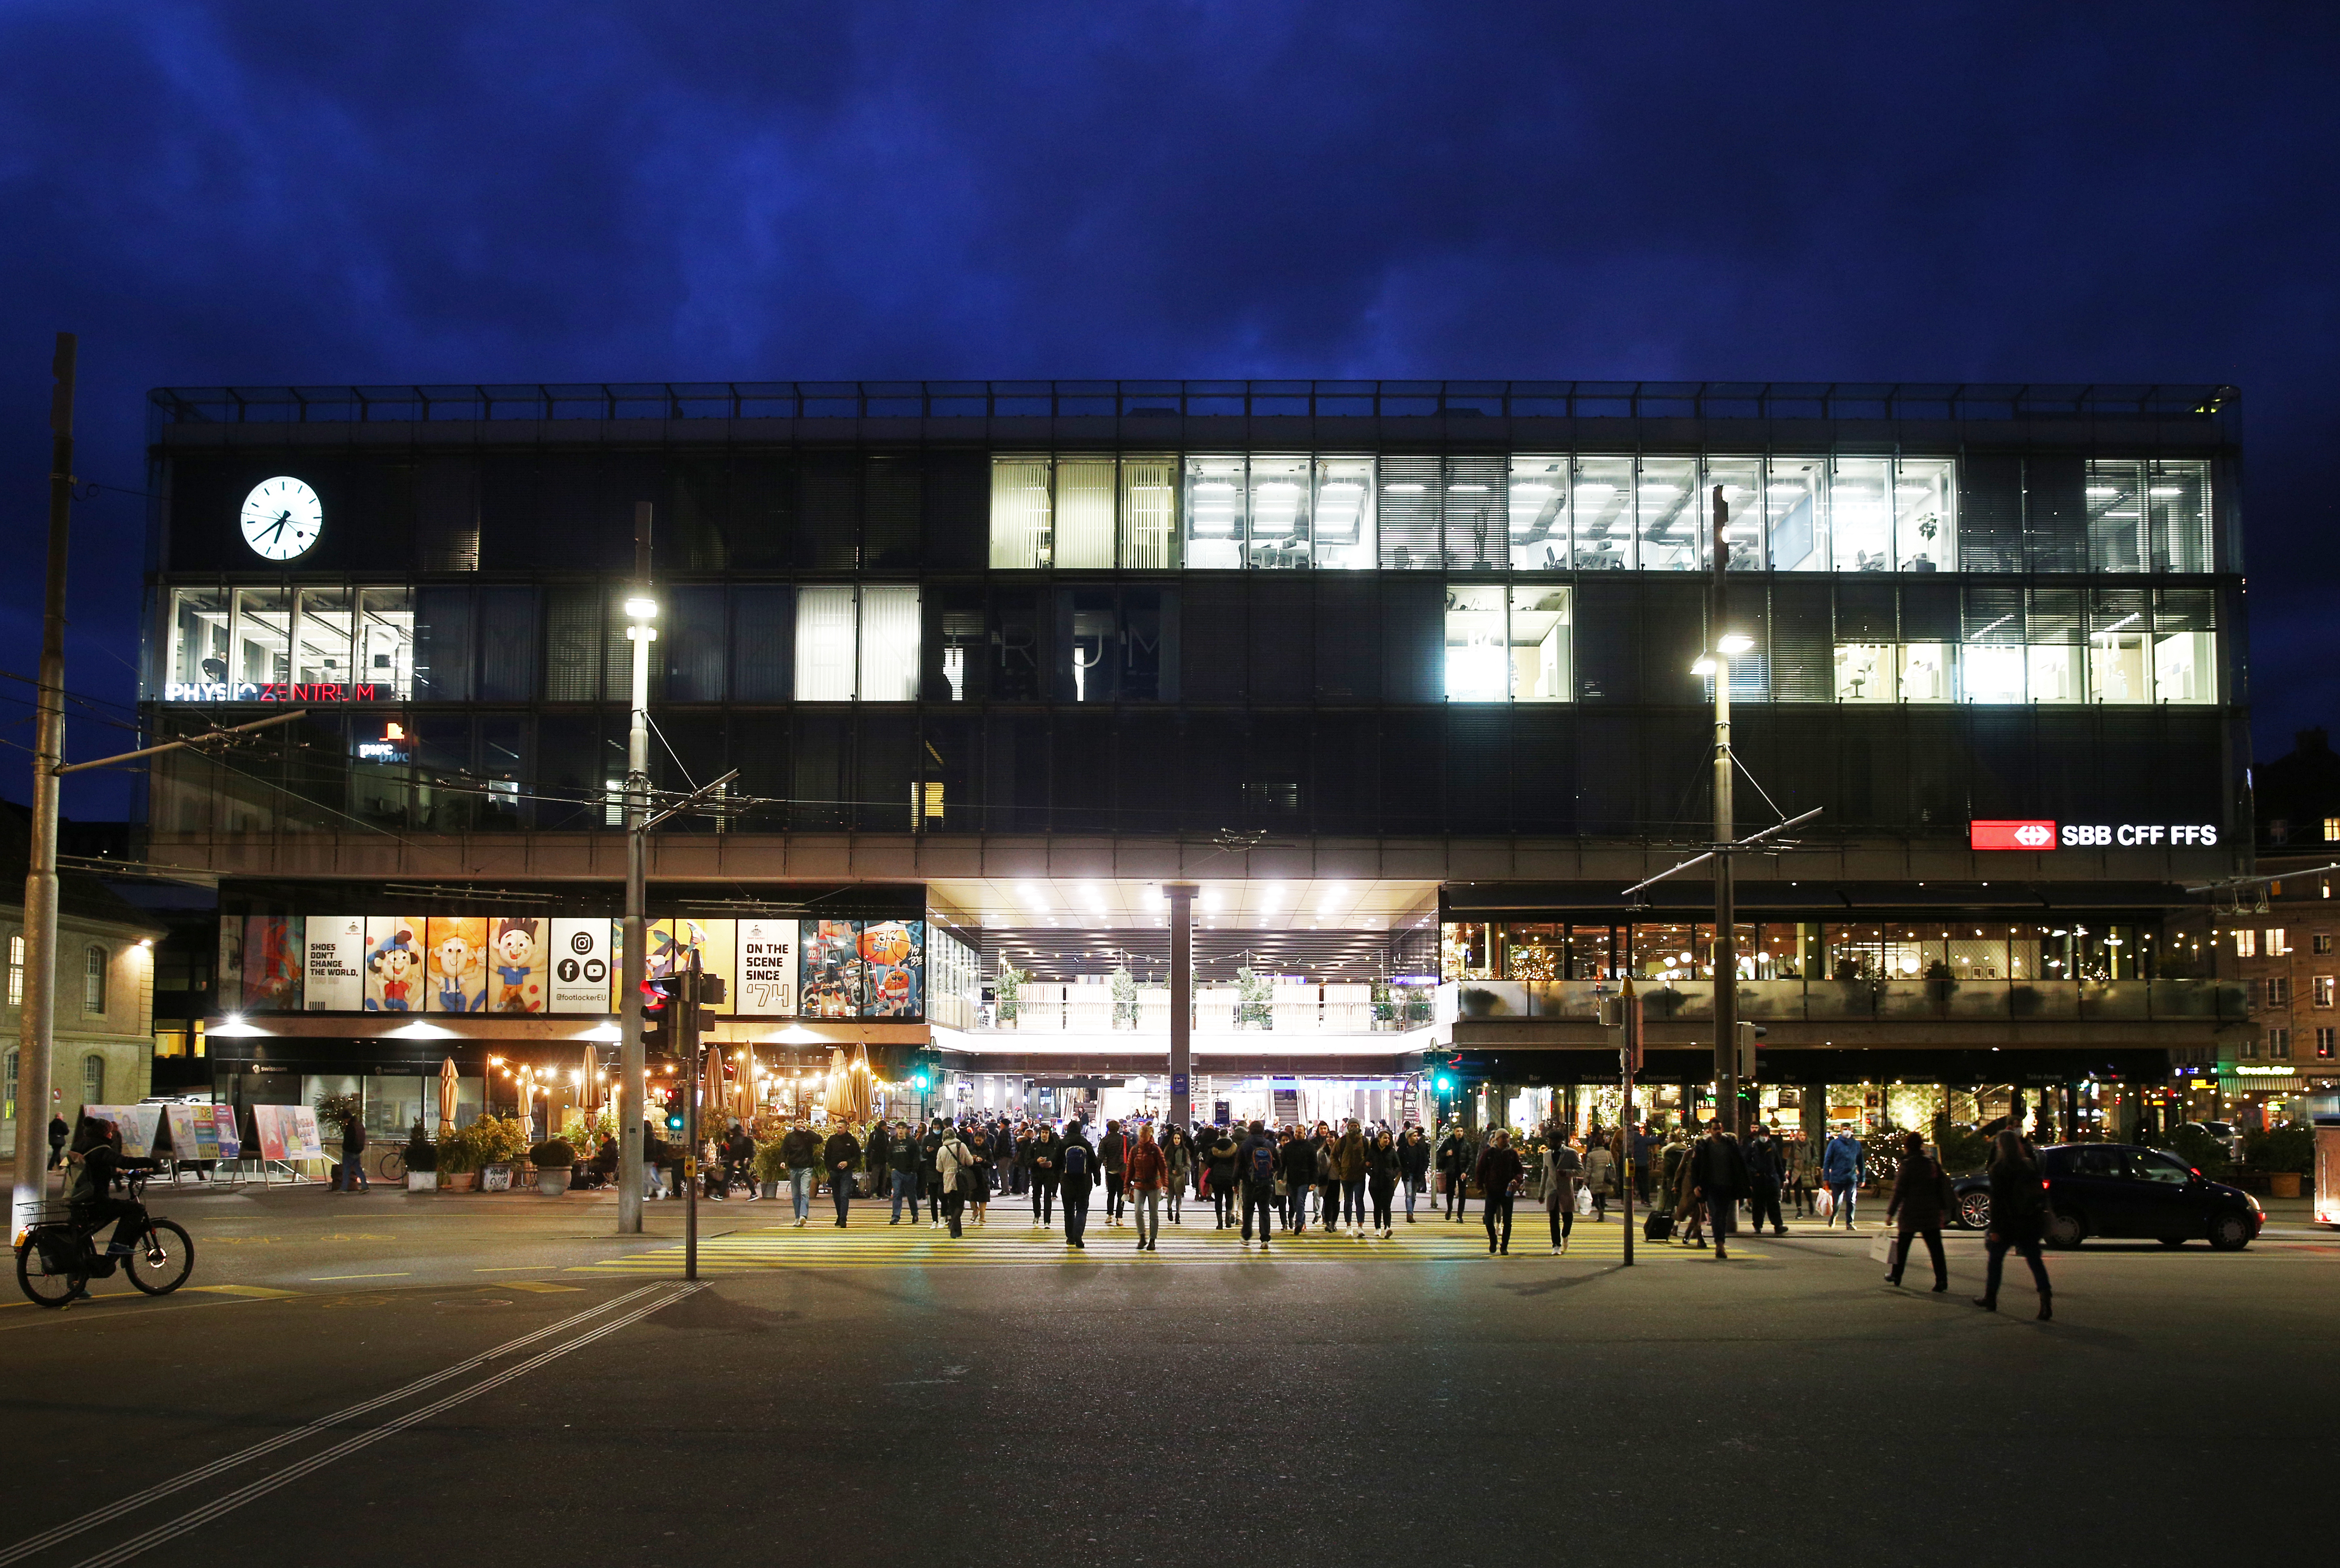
<point>421,1182</point>
<point>553,1181</point>
<point>2282,1184</point>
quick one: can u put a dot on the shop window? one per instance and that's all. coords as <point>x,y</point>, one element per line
<point>1539,514</point>
<point>1601,501</point>
<point>1021,523</point>
<point>1865,672</point>
<point>1215,534</point>
<point>2319,991</point>
<point>2184,668</point>
<point>1670,523</point>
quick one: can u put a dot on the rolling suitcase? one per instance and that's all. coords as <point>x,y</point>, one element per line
<point>1658,1228</point>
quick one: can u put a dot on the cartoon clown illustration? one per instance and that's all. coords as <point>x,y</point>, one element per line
<point>458,964</point>
<point>519,966</point>
<point>393,964</point>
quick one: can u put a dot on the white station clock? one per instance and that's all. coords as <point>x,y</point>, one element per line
<point>282,518</point>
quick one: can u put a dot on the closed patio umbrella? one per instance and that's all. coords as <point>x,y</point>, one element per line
<point>860,1096</point>
<point>588,1089</point>
<point>447,1098</point>
<point>711,1100</point>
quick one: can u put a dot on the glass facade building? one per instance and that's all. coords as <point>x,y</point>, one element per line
<point>1445,626</point>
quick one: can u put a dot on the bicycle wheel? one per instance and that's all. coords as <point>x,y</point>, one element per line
<point>43,1285</point>
<point>163,1260</point>
<point>392,1167</point>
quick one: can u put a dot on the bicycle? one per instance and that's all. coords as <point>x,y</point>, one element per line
<point>391,1166</point>
<point>59,1255</point>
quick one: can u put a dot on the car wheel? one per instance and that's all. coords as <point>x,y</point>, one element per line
<point>2066,1230</point>
<point>1974,1210</point>
<point>2229,1233</point>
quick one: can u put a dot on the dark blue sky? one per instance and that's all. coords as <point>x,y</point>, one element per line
<point>272,193</point>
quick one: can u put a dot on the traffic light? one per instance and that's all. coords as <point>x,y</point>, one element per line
<point>658,1019</point>
<point>1445,1084</point>
<point>1748,1033</point>
<point>926,1070</point>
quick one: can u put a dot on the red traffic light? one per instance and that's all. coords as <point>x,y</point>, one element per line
<point>653,995</point>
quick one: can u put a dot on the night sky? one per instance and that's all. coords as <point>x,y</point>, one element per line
<point>483,191</point>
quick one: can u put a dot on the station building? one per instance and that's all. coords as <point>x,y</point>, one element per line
<point>1398,674</point>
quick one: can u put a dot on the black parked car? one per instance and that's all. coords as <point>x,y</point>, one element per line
<point>2118,1191</point>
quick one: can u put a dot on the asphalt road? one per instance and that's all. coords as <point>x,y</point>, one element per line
<point>387,1378</point>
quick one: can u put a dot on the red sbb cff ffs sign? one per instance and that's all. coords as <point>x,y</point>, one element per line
<point>2041,834</point>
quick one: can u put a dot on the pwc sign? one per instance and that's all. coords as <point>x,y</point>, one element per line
<point>2019,834</point>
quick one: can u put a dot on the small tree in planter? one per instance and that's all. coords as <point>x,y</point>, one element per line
<point>1007,991</point>
<point>459,1159</point>
<point>503,1141</point>
<point>771,1168</point>
<point>1123,987</point>
<point>552,1159</point>
<point>421,1156</point>
<point>1255,1007</point>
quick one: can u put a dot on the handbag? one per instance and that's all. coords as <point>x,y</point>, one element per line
<point>1584,1201</point>
<point>1823,1203</point>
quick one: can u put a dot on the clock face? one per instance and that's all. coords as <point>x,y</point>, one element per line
<point>282,518</point>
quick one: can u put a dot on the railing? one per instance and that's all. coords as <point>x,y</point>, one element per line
<point>1290,1010</point>
<point>1182,400</point>
<point>1827,1000</point>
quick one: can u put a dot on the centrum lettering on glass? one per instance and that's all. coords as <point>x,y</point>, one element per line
<point>276,692</point>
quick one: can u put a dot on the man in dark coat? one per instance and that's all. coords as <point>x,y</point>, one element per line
<point>1455,1158</point>
<point>1718,1179</point>
<point>841,1158</point>
<point>2017,1211</point>
<point>1766,1167</point>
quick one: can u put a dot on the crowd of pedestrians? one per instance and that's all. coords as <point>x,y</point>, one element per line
<point>1360,1177</point>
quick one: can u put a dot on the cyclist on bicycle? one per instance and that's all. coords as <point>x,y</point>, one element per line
<point>92,1200</point>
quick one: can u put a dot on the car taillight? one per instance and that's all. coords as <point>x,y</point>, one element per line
<point>2043,1184</point>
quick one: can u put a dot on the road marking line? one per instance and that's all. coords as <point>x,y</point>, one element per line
<point>325,1278</point>
<point>196,1518</point>
<point>541,1286</point>
<point>112,1511</point>
<point>256,1292</point>
<point>503,1268</point>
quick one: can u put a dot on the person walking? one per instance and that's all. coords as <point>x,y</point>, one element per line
<point>1766,1168</point>
<point>1718,1175</point>
<point>955,1171</point>
<point>2017,1212</point>
<point>1840,1174</point>
<point>1455,1157</point>
<point>1077,1165</point>
<point>1412,1165</point>
<point>1384,1166</point>
<point>1326,1181</point>
<point>1255,1166</point>
<point>1221,1158</point>
<point>1599,1170</point>
<point>1296,1155</point>
<point>800,1149</point>
<point>58,1133</point>
<point>1645,1152</point>
<point>1800,1166</point>
<point>1179,1158</point>
<point>1690,1213</point>
<point>1113,1159</point>
<point>1349,1169</point>
<point>1920,1197</point>
<point>353,1144</point>
<point>842,1157</point>
<point>877,1159</point>
<point>739,1161</point>
<point>902,1171</point>
<point>1498,1173</point>
<point>1046,1150</point>
<point>1563,1168</point>
<point>929,1176</point>
<point>1147,1177</point>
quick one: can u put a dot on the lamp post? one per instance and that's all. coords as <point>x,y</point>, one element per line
<point>641,611</point>
<point>1715,666</point>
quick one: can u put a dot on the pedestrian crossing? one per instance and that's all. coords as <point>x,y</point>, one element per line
<point>1011,1240</point>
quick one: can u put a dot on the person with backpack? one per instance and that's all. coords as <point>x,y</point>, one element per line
<point>1147,1175</point>
<point>1348,1170</point>
<point>1414,1166</point>
<point>954,1170</point>
<point>1381,1163</point>
<point>1221,1158</point>
<point>1454,1163</point>
<point>1921,1198</point>
<point>1499,1174</point>
<point>1047,1149</point>
<point>1255,1160</point>
<point>1563,1167</point>
<point>1112,1160</point>
<point>1077,1166</point>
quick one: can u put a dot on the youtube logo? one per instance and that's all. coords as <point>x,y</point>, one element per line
<point>2023,834</point>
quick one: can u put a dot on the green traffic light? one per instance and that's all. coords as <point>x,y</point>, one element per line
<point>919,1081</point>
<point>1445,1086</point>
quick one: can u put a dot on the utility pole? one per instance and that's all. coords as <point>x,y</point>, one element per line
<point>36,1027</point>
<point>641,609</point>
<point>689,1025</point>
<point>1726,944</point>
<point>1627,1006</point>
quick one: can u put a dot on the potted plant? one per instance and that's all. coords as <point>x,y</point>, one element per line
<point>459,1159</point>
<point>1123,986</point>
<point>2284,1153</point>
<point>1008,989</point>
<point>1254,1004</point>
<point>421,1156</point>
<point>771,1168</point>
<point>504,1146</point>
<point>552,1159</point>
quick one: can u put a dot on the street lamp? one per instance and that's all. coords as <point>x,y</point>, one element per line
<point>641,609</point>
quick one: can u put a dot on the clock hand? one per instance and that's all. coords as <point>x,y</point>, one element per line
<point>282,518</point>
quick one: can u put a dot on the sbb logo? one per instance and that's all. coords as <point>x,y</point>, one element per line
<point>2035,835</point>
<point>2019,834</point>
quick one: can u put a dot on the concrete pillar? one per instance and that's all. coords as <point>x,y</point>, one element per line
<point>1181,1000</point>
